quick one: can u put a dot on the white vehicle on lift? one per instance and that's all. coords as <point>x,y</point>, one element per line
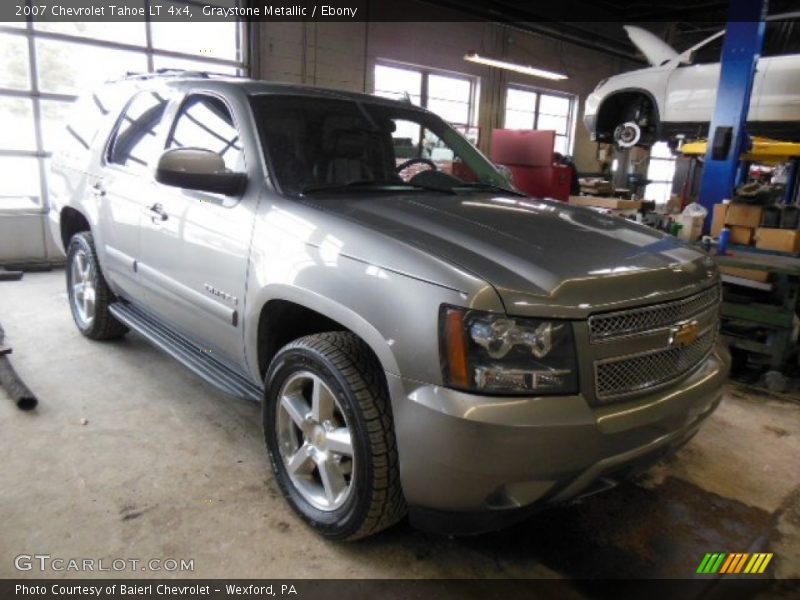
<point>674,98</point>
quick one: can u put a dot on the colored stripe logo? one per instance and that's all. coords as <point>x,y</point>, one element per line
<point>735,562</point>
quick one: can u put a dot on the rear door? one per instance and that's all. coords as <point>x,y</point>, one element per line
<point>124,188</point>
<point>195,245</point>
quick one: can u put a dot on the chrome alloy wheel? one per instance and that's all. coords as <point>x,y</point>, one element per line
<point>83,280</point>
<point>314,441</point>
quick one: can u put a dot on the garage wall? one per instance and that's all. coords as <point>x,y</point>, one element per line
<point>343,55</point>
<point>586,68</point>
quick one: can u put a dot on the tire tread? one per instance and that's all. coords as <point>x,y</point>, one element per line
<point>363,373</point>
<point>104,326</point>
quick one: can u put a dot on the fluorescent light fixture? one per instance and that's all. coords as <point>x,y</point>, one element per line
<point>501,64</point>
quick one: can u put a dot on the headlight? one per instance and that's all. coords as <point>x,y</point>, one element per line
<point>493,353</point>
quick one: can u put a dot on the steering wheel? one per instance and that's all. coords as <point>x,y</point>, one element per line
<point>413,161</point>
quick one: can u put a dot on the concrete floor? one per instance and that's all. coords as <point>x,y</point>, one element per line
<point>167,467</point>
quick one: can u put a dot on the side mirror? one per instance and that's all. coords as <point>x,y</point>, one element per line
<point>198,169</point>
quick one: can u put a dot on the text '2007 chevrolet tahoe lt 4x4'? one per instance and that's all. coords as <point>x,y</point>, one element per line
<point>422,337</point>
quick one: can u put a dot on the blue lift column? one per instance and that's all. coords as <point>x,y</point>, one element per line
<point>727,135</point>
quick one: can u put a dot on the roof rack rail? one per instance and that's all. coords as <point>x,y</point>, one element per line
<point>169,72</point>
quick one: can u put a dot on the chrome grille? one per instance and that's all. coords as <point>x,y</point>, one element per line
<point>607,326</point>
<point>625,376</point>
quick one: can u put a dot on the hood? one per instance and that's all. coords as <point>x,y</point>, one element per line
<point>655,50</point>
<point>542,257</point>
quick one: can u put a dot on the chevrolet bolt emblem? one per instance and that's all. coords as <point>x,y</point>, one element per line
<point>683,334</point>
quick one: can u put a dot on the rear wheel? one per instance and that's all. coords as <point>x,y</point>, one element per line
<point>329,432</point>
<point>88,292</point>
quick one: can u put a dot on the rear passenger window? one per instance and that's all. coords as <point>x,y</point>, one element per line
<point>206,122</point>
<point>135,141</point>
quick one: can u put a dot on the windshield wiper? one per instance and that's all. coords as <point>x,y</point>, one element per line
<point>350,185</point>
<point>366,185</point>
<point>445,189</point>
<point>491,187</point>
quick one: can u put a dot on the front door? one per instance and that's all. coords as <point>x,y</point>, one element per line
<point>692,88</point>
<point>195,245</point>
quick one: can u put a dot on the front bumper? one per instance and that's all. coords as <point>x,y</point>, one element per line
<point>492,459</point>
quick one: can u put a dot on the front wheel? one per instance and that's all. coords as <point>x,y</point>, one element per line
<point>88,292</point>
<point>328,428</point>
<point>627,135</point>
<point>637,126</point>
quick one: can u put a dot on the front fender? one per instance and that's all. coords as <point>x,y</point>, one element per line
<point>317,302</point>
<point>395,314</point>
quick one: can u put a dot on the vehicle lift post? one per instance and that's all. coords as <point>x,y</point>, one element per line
<point>727,138</point>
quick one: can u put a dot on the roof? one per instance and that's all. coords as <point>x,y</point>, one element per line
<point>252,87</point>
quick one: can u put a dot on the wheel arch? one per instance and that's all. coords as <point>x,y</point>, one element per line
<point>291,314</point>
<point>72,221</point>
<point>608,112</point>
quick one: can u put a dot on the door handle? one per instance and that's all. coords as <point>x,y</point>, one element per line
<point>98,189</point>
<point>157,212</point>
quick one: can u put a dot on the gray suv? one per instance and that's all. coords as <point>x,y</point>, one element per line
<point>423,338</point>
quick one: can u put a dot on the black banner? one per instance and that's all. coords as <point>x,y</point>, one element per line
<point>394,589</point>
<point>584,11</point>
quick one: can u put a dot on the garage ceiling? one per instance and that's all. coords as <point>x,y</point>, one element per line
<point>681,23</point>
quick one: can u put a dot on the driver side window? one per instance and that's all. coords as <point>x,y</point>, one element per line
<point>710,53</point>
<point>206,122</point>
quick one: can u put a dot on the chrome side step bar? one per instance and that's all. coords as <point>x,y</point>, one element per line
<point>186,352</point>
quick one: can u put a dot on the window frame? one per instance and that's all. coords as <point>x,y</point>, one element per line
<point>112,136</point>
<point>32,91</point>
<point>426,72</point>
<point>209,94</point>
<point>539,91</point>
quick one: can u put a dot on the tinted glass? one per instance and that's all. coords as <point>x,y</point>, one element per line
<point>315,143</point>
<point>135,140</point>
<point>710,53</point>
<point>205,122</point>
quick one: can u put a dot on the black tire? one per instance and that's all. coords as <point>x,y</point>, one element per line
<point>353,374</point>
<point>103,325</point>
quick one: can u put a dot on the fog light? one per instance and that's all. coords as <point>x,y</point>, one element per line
<point>517,380</point>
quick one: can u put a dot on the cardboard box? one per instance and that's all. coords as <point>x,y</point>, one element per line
<point>692,228</point>
<point>744,215</point>
<point>782,240</point>
<point>741,235</point>
<point>613,203</point>
<point>718,219</point>
<point>752,274</point>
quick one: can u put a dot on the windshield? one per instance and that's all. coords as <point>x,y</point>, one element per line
<point>318,145</point>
